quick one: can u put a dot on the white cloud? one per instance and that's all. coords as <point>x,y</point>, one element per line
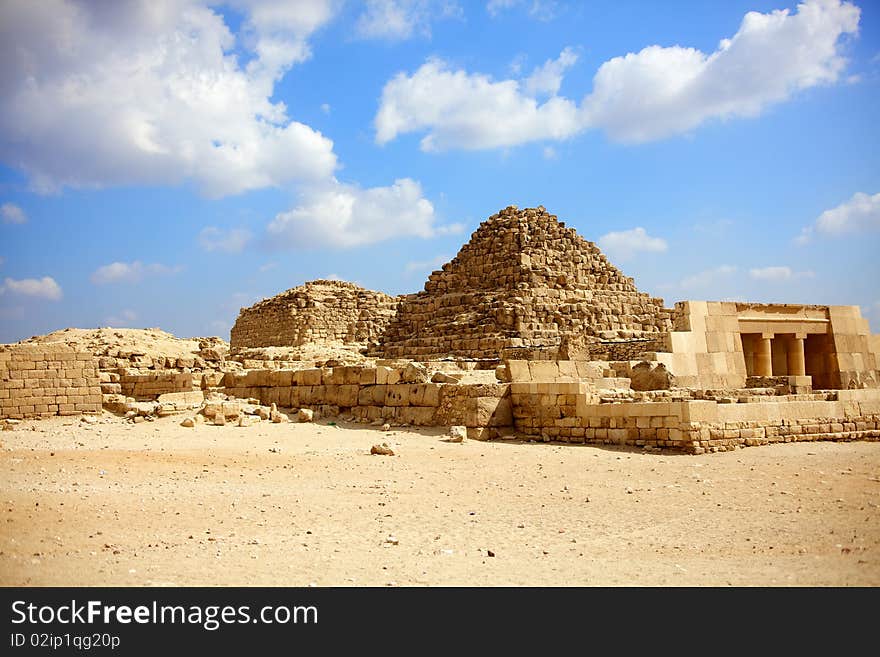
<point>124,318</point>
<point>860,214</point>
<point>341,215</point>
<point>269,266</point>
<point>778,274</point>
<point>450,229</point>
<point>45,288</point>
<point>99,94</point>
<point>666,91</point>
<point>397,20</point>
<point>655,93</point>
<point>546,79</point>
<point>332,277</point>
<point>549,153</point>
<point>278,32</point>
<point>426,265</point>
<point>542,10</point>
<point>12,214</point>
<point>469,110</point>
<point>623,245</point>
<point>707,277</point>
<point>495,7</point>
<point>325,107</point>
<point>129,272</point>
<point>232,240</point>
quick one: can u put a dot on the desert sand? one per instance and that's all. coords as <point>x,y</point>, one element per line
<point>115,503</point>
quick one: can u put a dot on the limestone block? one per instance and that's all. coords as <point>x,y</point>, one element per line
<point>397,395</point>
<point>280,378</point>
<point>348,395</point>
<point>541,371</point>
<point>519,370</point>
<point>416,415</point>
<point>189,397</point>
<point>334,376</point>
<point>311,377</point>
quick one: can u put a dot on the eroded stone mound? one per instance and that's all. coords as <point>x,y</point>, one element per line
<point>319,311</point>
<point>146,348</point>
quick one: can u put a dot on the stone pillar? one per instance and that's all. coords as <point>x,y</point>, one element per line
<point>796,362</point>
<point>763,355</point>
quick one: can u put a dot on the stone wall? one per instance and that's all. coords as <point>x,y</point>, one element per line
<point>319,311</point>
<point>523,280</point>
<point>374,393</point>
<point>46,380</point>
<point>629,349</point>
<point>566,405</point>
<point>148,386</point>
<point>567,412</point>
<point>705,350</point>
<point>856,364</point>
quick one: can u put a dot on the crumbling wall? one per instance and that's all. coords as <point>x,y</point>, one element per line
<point>373,393</point>
<point>523,280</point>
<point>46,380</point>
<point>629,348</point>
<point>319,311</point>
<point>148,386</point>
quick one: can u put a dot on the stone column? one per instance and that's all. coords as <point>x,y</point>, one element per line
<point>796,362</point>
<point>764,355</point>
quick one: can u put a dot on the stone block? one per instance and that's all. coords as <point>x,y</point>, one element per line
<point>397,395</point>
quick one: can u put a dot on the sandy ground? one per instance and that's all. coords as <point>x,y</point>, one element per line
<point>159,504</point>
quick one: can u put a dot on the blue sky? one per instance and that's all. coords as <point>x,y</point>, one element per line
<point>165,163</point>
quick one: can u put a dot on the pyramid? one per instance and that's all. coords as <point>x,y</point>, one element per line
<point>524,280</point>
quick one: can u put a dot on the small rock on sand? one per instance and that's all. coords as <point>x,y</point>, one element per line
<point>382,450</point>
<point>457,433</point>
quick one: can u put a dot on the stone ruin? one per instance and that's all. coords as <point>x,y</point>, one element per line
<point>45,380</point>
<point>524,283</point>
<point>529,331</point>
<point>318,311</point>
